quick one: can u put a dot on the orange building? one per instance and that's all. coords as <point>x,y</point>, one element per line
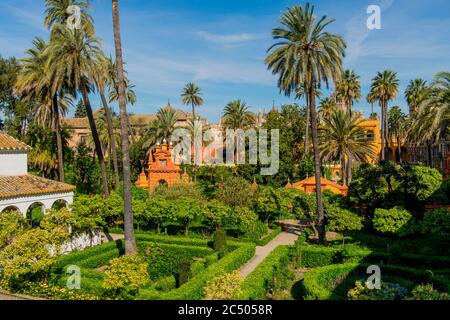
<point>309,186</point>
<point>161,169</point>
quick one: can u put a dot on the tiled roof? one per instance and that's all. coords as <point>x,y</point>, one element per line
<point>28,185</point>
<point>323,181</point>
<point>9,143</point>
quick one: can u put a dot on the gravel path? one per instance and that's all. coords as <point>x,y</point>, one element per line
<point>282,239</point>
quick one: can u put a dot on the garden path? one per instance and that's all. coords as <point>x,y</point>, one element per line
<point>282,239</point>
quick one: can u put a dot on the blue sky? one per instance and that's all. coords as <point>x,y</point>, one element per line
<point>221,45</point>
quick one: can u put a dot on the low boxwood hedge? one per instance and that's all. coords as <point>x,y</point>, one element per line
<point>268,238</point>
<point>256,284</point>
<point>194,288</point>
<point>321,283</point>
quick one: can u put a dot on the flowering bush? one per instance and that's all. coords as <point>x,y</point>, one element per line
<point>388,291</point>
<point>125,276</point>
<point>226,287</point>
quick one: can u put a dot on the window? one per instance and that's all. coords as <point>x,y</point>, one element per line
<point>370,136</point>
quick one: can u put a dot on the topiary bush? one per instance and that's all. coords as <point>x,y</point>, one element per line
<point>220,240</point>
<point>396,221</point>
<point>437,223</point>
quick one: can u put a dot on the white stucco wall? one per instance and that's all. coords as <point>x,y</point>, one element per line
<point>13,163</point>
<point>23,203</point>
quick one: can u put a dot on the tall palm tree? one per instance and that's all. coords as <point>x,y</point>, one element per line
<point>192,95</point>
<point>306,55</point>
<point>397,128</point>
<point>343,138</point>
<point>57,14</point>
<point>102,79</point>
<point>73,59</point>
<point>114,87</point>
<point>383,89</point>
<point>236,115</point>
<point>161,128</point>
<point>326,108</point>
<point>348,89</point>
<point>35,87</point>
<point>416,92</point>
<point>130,242</point>
<point>433,117</point>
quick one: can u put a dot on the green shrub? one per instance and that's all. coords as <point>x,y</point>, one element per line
<point>194,289</point>
<point>315,256</point>
<point>220,240</point>
<point>396,221</point>
<point>211,259</point>
<point>125,276</point>
<point>270,237</point>
<point>427,292</point>
<point>225,287</point>
<point>271,274</point>
<point>146,237</point>
<point>184,272</point>
<point>166,284</point>
<point>166,259</point>
<point>437,223</point>
<point>197,267</point>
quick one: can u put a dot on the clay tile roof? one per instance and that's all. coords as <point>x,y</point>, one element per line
<point>9,143</point>
<point>28,185</point>
<point>323,181</point>
<point>77,123</point>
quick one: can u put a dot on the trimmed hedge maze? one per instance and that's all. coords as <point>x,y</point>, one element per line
<point>172,252</point>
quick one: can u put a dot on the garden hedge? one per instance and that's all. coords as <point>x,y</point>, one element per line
<point>194,288</point>
<point>319,283</point>
<point>256,284</point>
<point>268,238</point>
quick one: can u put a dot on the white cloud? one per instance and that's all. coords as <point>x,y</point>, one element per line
<point>27,17</point>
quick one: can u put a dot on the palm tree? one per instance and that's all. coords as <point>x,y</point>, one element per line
<point>326,108</point>
<point>348,89</point>
<point>384,88</point>
<point>433,117</point>
<point>192,95</point>
<point>416,92</point>
<point>73,60</point>
<point>113,84</point>
<point>342,137</point>
<point>57,14</point>
<point>307,56</point>
<point>161,128</point>
<point>102,78</point>
<point>35,86</point>
<point>130,242</point>
<point>236,115</point>
<point>397,128</point>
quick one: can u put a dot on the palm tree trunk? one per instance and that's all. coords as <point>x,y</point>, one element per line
<point>344,180</point>
<point>320,214</point>
<point>193,111</point>
<point>59,147</point>
<point>307,125</point>
<point>399,150</point>
<point>383,132</point>
<point>98,146</point>
<point>386,128</point>
<point>112,141</point>
<point>130,242</point>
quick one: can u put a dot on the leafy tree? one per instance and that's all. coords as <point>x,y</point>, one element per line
<point>437,223</point>
<point>242,219</point>
<point>396,221</point>
<point>342,220</point>
<point>416,92</point>
<point>235,192</point>
<point>184,210</point>
<point>304,56</point>
<point>12,224</point>
<point>156,211</point>
<point>126,275</point>
<point>176,191</point>
<point>80,110</point>
<point>30,254</point>
<point>225,287</point>
<point>217,214</point>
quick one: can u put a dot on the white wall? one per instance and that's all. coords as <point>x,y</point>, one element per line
<point>23,203</point>
<point>13,163</point>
